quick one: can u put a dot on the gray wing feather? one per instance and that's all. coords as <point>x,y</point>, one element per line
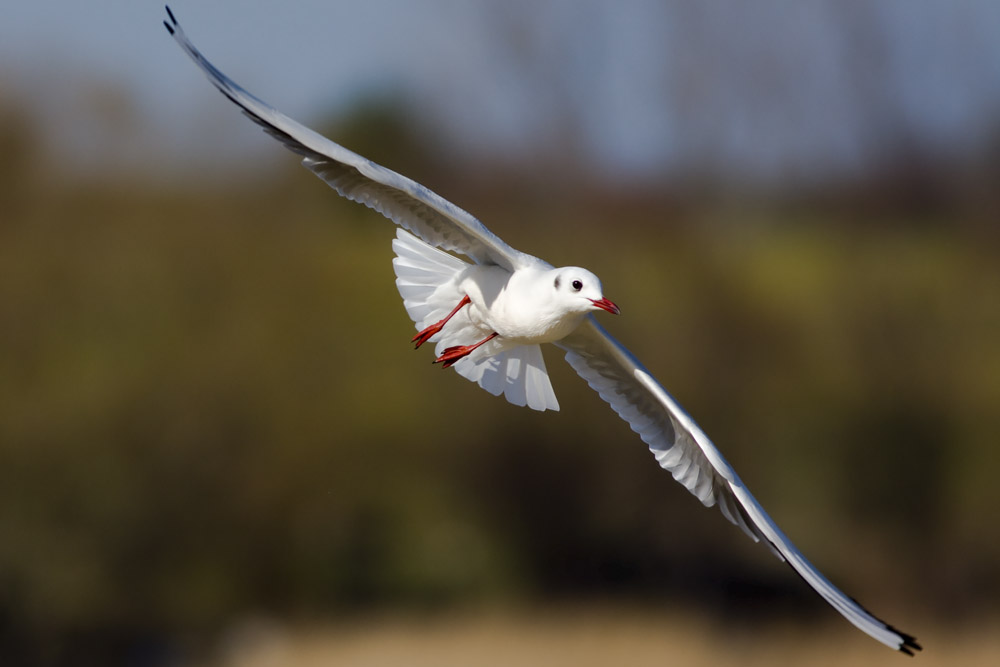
<point>681,447</point>
<point>405,202</point>
<point>609,369</point>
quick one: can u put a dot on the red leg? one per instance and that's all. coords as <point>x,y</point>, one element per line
<point>425,335</point>
<point>453,354</point>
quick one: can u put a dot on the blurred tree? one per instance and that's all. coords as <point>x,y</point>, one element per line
<point>19,149</point>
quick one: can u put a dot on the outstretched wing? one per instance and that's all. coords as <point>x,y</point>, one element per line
<point>684,450</point>
<point>405,202</point>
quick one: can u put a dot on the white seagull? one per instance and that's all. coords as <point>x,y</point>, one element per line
<point>489,315</point>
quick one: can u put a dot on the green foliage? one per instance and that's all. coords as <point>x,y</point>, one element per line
<point>209,406</point>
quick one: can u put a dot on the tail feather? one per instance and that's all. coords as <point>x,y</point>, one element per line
<point>518,373</point>
<point>427,280</point>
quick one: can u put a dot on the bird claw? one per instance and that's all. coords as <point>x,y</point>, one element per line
<point>425,335</point>
<point>453,354</point>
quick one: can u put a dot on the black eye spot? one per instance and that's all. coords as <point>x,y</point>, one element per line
<point>557,282</point>
<point>577,285</point>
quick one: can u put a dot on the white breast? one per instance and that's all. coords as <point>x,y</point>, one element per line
<point>519,306</point>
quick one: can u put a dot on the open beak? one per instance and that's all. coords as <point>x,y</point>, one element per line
<point>609,306</point>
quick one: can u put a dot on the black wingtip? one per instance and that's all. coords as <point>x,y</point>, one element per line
<point>172,23</point>
<point>909,645</point>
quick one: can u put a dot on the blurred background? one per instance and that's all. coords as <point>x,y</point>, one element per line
<point>217,446</point>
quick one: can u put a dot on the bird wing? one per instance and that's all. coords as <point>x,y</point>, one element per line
<point>405,202</point>
<point>683,449</point>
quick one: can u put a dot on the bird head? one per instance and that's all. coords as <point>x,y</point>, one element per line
<point>579,290</point>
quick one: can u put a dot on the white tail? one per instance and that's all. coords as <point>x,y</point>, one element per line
<point>427,279</point>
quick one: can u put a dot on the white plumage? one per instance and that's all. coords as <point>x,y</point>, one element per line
<point>428,281</point>
<point>489,316</point>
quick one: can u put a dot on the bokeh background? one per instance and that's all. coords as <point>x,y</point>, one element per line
<point>217,447</point>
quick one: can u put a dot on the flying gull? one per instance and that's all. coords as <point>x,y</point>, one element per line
<point>489,313</point>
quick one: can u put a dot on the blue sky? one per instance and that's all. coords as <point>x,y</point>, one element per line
<point>636,85</point>
<point>309,57</point>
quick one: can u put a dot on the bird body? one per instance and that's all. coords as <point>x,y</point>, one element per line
<point>520,309</point>
<point>525,307</point>
<point>489,315</point>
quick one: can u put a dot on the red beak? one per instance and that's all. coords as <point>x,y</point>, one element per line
<point>609,306</point>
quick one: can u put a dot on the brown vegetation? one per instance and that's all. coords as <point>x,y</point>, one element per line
<point>208,408</point>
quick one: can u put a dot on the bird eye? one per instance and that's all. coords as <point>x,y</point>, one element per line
<point>577,285</point>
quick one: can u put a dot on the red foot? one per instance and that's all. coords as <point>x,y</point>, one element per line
<point>453,354</point>
<point>426,334</point>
